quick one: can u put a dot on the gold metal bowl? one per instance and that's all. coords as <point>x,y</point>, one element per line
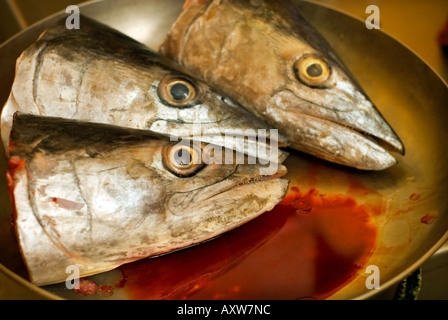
<point>411,96</point>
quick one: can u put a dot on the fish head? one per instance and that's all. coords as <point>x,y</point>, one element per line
<point>101,196</point>
<point>108,77</point>
<point>273,62</point>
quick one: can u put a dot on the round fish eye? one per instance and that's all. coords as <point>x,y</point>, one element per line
<point>312,70</point>
<point>177,91</point>
<point>182,160</point>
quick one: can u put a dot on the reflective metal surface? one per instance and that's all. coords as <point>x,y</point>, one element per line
<point>408,93</point>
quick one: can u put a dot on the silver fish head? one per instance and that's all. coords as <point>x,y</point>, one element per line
<point>97,196</point>
<point>266,56</point>
<point>100,75</point>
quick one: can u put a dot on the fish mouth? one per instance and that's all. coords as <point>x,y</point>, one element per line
<point>230,203</point>
<point>243,183</point>
<point>241,180</point>
<point>341,126</point>
<point>281,171</point>
<point>389,142</point>
<point>341,143</point>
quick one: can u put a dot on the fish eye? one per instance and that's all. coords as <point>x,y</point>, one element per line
<point>177,91</point>
<point>182,160</point>
<point>312,70</point>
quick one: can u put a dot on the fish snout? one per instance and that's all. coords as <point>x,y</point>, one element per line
<point>339,124</point>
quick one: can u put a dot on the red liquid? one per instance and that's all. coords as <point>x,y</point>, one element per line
<point>309,246</point>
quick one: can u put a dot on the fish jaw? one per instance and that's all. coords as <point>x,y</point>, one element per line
<point>228,204</point>
<point>256,67</point>
<point>336,143</point>
<point>341,128</point>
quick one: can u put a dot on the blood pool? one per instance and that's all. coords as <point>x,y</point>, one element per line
<point>307,247</point>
